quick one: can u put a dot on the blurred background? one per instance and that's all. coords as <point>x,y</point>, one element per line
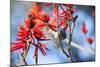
<point>18,13</point>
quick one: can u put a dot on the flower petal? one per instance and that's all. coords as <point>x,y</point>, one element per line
<point>89,40</point>
<point>35,52</point>
<point>17,46</point>
<point>84,29</point>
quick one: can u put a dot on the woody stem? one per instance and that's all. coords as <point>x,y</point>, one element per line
<point>62,45</point>
<point>69,42</point>
<point>23,55</point>
<point>68,56</point>
<point>36,57</point>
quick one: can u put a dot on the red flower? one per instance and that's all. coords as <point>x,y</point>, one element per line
<point>41,47</point>
<point>84,29</point>
<point>89,40</point>
<point>44,17</point>
<point>22,38</point>
<point>29,24</point>
<point>53,24</point>
<point>36,15</point>
<point>18,45</point>
<point>50,24</point>
<point>36,9</point>
<point>68,15</point>
<point>23,33</point>
<point>37,33</point>
<point>55,11</point>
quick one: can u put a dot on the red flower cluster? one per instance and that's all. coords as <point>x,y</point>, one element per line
<point>63,12</point>
<point>31,31</point>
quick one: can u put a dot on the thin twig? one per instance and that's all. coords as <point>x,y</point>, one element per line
<point>23,55</point>
<point>62,8</point>
<point>73,27</point>
<point>70,39</point>
<point>59,37</point>
<point>36,58</point>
